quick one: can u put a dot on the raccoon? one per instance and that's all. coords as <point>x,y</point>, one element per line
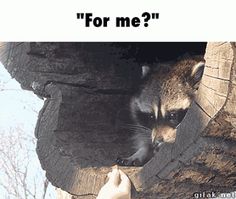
<point>160,105</point>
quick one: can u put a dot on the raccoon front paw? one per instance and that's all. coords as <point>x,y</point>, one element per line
<point>128,162</point>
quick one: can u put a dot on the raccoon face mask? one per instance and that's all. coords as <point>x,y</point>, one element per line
<point>165,98</point>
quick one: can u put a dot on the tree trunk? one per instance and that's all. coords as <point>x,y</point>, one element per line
<point>87,87</point>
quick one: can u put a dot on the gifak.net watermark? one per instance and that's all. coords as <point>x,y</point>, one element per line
<point>214,194</point>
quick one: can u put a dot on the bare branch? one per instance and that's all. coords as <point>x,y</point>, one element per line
<point>15,166</point>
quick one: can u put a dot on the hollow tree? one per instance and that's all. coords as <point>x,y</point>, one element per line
<point>87,87</point>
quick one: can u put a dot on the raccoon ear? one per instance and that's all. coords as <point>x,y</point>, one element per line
<point>145,71</point>
<point>196,74</point>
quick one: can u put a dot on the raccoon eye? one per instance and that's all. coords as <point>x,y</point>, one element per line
<point>145,119</point>
<point>176,116</point>
<point>173,116</point>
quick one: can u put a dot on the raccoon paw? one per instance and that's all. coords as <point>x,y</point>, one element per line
<point>128,162</point>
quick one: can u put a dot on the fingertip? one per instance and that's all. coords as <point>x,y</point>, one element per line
<point>114,176</point>
<point>125,181</point>
<point>109,175</point>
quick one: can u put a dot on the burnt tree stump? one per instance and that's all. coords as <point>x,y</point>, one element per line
<point>87,87</point>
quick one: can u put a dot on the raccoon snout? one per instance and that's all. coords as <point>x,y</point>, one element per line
<point>157,139</point>
<point>163,134</point>
<point>156,144</point>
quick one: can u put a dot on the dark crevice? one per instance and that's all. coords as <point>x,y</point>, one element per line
<point>88,194</point>
<point>223,79</point>
<point>112,91</point>
<point>93,89</point>
<point>69,84</point>
<point>203,110</point>
<point>215,91</point>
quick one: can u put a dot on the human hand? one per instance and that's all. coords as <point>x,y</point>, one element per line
<point>117,187</point>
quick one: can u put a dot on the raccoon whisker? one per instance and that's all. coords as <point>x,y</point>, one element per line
<point>144,128</point>
<point>135,129</point>
<point>136,126</point>
<point>139,130</point>
<point>131,130</point>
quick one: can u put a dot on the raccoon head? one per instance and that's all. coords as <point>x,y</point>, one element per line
<point>164,99</point>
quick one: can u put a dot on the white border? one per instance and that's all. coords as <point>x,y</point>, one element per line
<point>55,20</point>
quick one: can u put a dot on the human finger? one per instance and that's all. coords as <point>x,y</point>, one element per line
<point>125,184</point>
<point>114,177</point>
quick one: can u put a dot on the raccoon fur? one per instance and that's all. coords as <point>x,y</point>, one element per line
<point>161,104</point>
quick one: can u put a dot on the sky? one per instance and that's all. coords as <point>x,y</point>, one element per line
<point>19,110</point>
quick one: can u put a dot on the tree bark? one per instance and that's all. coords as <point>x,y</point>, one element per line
<point>87,87</point>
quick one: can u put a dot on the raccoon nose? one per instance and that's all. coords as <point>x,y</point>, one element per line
<point>158,143</point>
